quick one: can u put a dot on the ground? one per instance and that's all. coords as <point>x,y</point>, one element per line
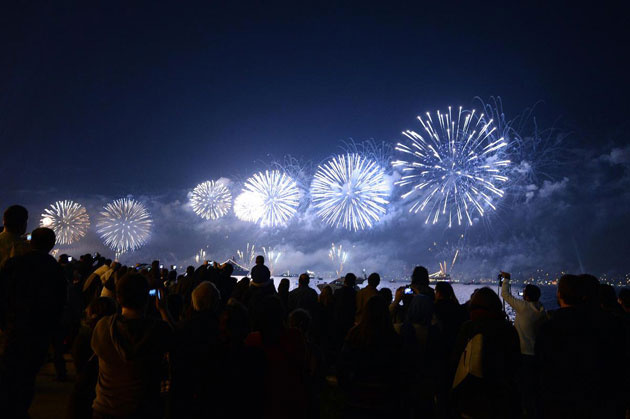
<point>51,397</point>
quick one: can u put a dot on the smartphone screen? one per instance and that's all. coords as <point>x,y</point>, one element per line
<point>153,292</point>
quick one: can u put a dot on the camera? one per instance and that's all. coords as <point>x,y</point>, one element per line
<point>408,291</point>
<point>173,267</point>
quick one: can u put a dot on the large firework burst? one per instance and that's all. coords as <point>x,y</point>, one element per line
<point>456,166</point>
<point>69,221</point>
<point>270,198</point>
<point>350,191</point>
<point>124,225</point>
<point>211,200</point>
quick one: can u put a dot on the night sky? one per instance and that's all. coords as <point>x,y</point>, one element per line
<point>147,100</point>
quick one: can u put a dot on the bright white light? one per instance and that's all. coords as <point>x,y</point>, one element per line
<point>350,191</point>
<point>67,219</point>
<point>211,200</point>
<point>124,225</point>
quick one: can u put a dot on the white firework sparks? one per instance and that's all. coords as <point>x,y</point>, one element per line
<point>248,206</point>
<point>246,257</point>
<point>124,225</point>
<point>200,256</point>
<point>350,191</point>
<point>69,221</point>
<point>338,257</point>
<point>456,166</point>
<point>211,200</point>
<point>270,198</point>
<point>271,257</point>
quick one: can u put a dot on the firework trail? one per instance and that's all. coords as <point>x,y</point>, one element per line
<point>269,198</point>
<point>338,257</point>
<point>350,191</point>
<point>246,257</point>
<point>69,221</point>
<point>456,166</point>
<point>200,257</point>
<point>124,225</point>
<point>271,257</point>
<point>211,200</point>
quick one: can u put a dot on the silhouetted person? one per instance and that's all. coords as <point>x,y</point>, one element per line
<point>493,394</point>
<point>11,241</point>
<point>624,299</point>
<point>345,308</point>
<point>194,356</point>
<point>227,282</point>
<point>530,314</point>
<point>421,306</point>
<point>260,286</point>
<point>33,296</point>
<point>304,297</point>
<point>366,293</point>
<point>283,294</point>
<point>285,361</point>
<point>86,364</point>
<point>565,351</point>
<point>130,348</point>
<point>369,367</point>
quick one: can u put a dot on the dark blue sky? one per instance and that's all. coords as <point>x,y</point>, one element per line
<point>143,98</point>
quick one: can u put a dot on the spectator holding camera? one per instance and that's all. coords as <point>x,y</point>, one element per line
<point>530,314</point>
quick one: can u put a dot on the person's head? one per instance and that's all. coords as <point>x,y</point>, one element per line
<point>63,259</point>
<point>444,291</point>
<point>569,291</point>
<point>284,285</point>
<point>420,276</point>
<point>205,297</point>
<point>386,294</point>
<point>260,260</point>
<point>301,320</point>
<point>608,297</point>
<point>99,308</point>
<point>43,239</point>
<point>227,269</point>
<point>326,296</point>
<point>304,280</point>
<point>350,280</point>
<point>15,219</point>
<point>374,279</point>
<point>590,290</point>
<point>624,299</point>
<point>132,291</point>
<point>486,299</point>
<point>531,293</point>
<point>108,262</point>
<point>260,275</point>
<point>190,271</point>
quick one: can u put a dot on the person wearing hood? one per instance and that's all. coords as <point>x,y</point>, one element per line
<point>130,348</point>
<point>530,314</point>
<point>485,358</point>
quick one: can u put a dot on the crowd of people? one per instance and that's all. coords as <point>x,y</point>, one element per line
<point>148,342</point>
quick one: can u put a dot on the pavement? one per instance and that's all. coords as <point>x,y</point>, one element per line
<point>51,397</point>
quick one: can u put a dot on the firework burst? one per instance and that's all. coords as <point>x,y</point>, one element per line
<point>270,198</point>
<point>124,225</point>
<point>69,221</point>
<point>271,257</point>
<point>246,257</point>
<point>211,200</point>
<point>350,191</point>
<point>456,167</point>
<point>200,256</point>
<point>338,257</point>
